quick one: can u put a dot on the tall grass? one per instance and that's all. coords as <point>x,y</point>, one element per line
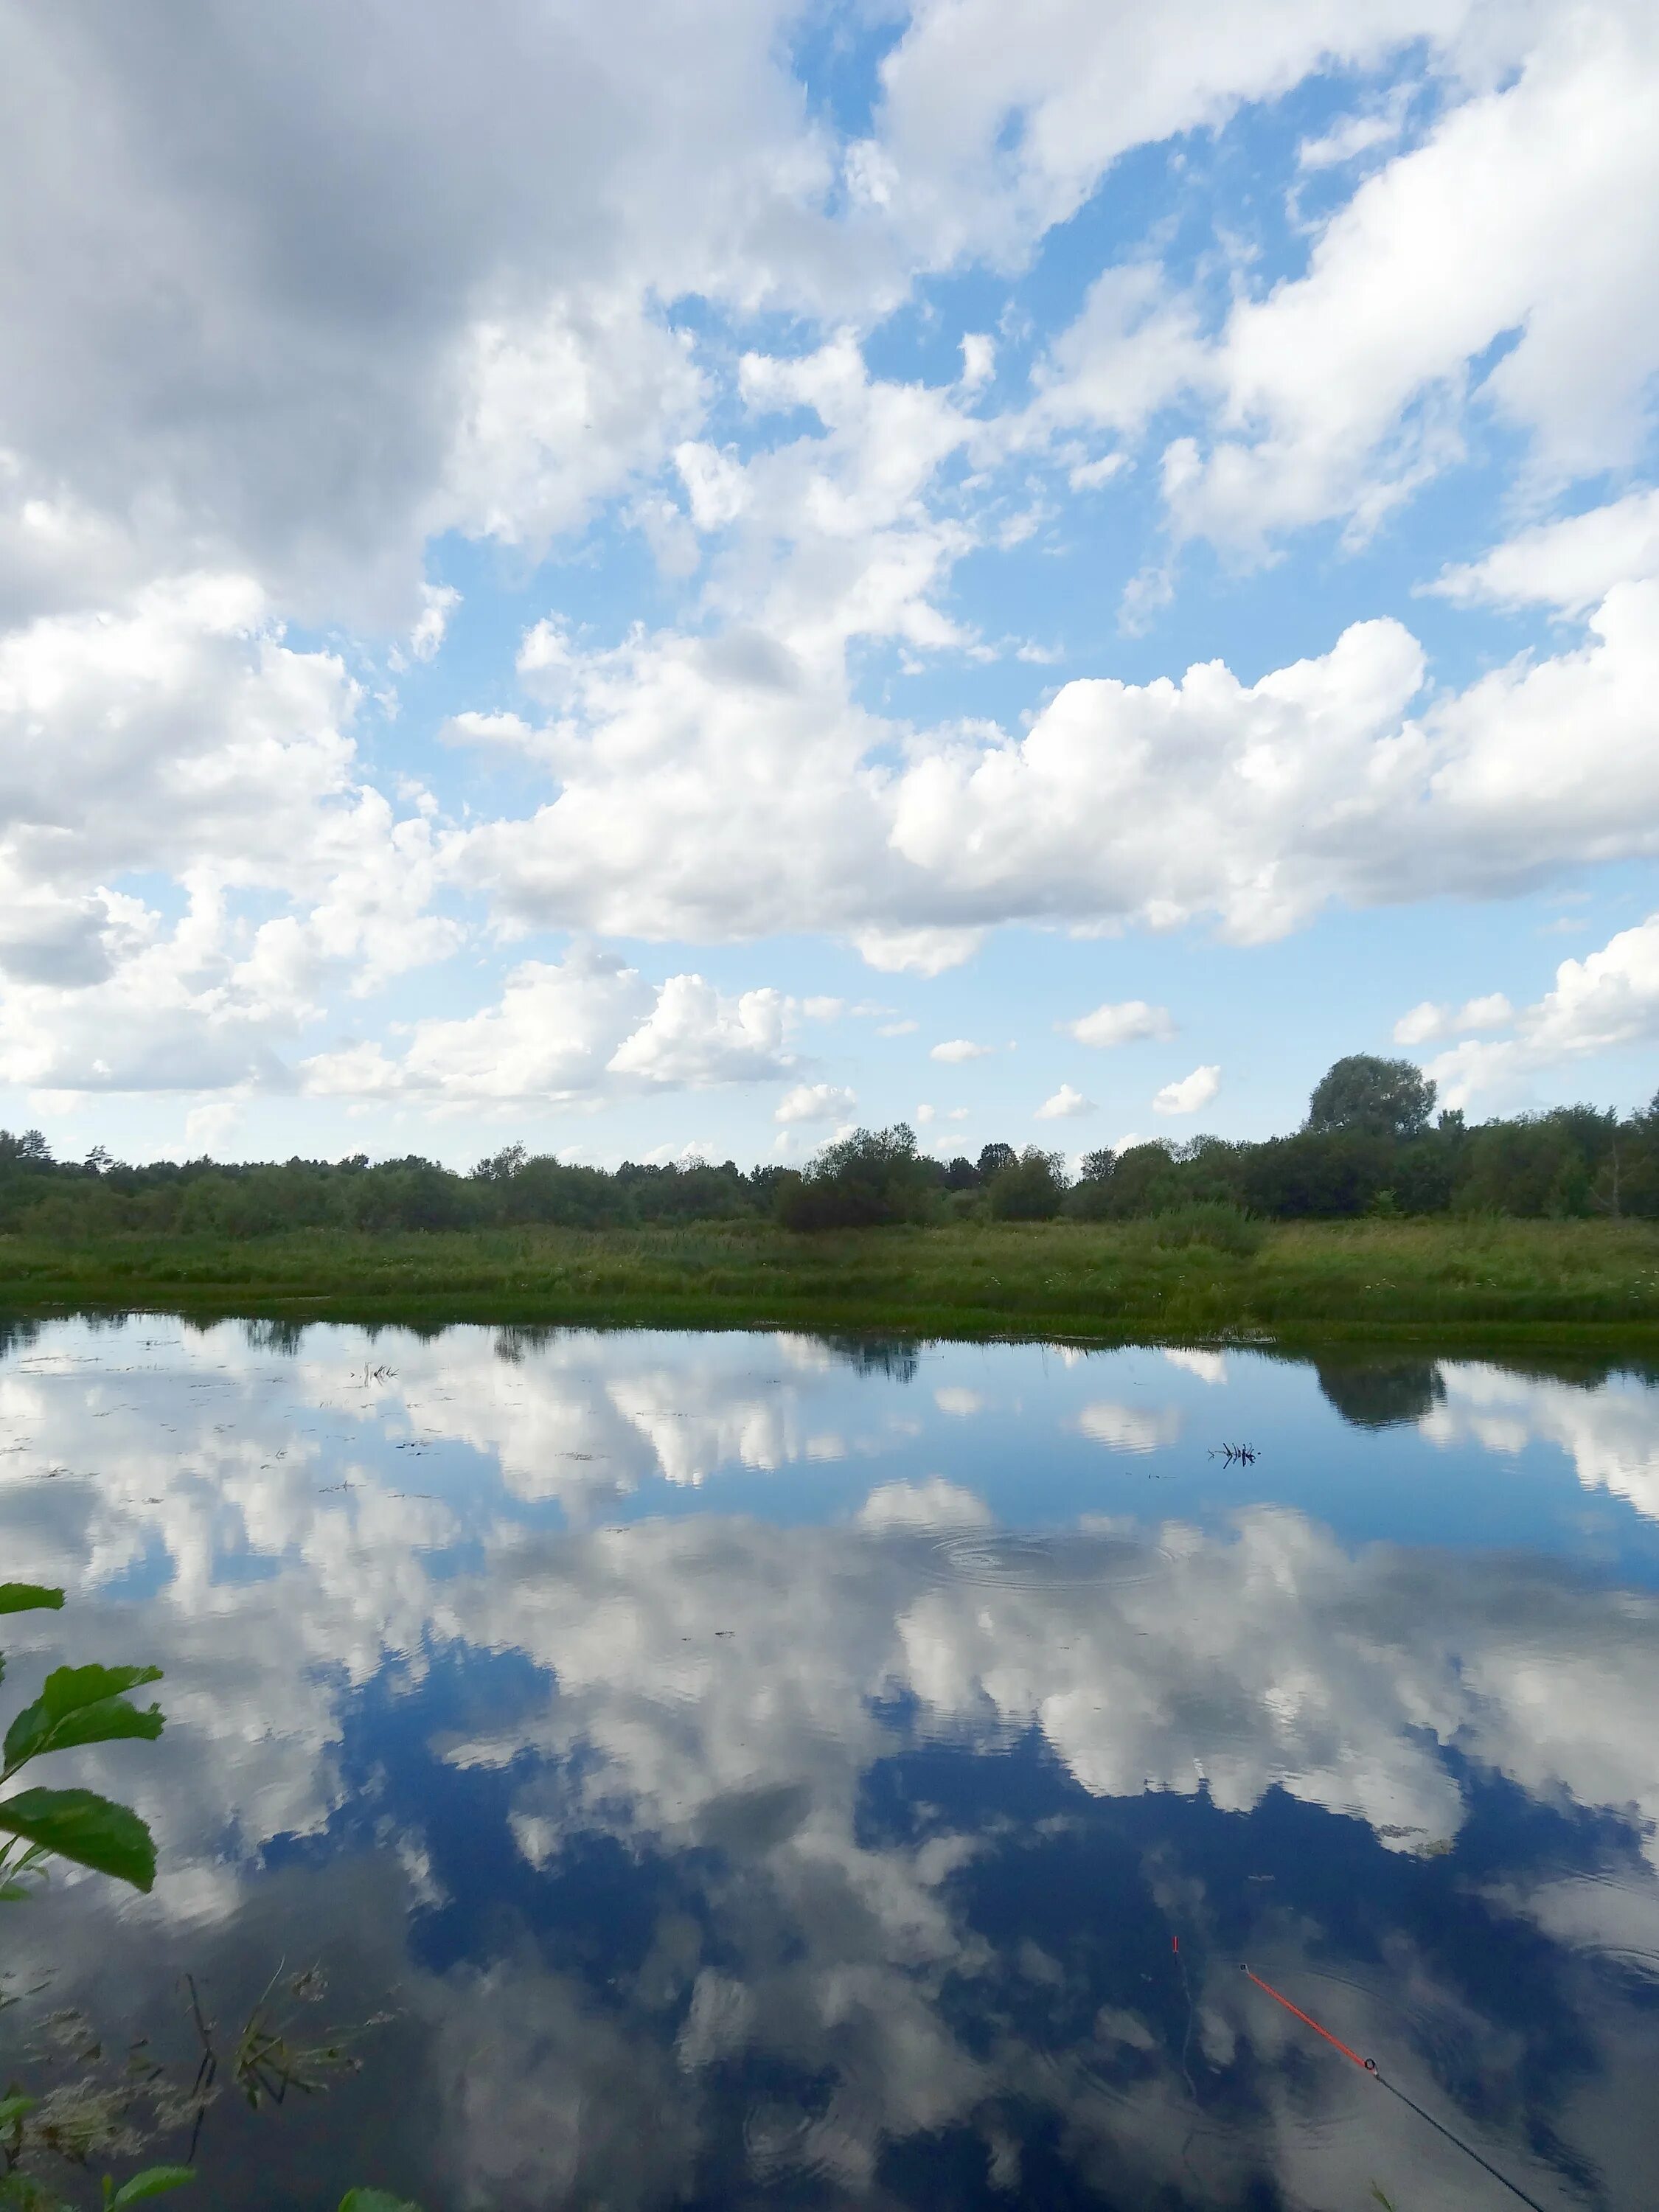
<point>1203,1271</point>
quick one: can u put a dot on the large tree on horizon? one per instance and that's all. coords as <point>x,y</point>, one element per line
<point>1380,1097</point>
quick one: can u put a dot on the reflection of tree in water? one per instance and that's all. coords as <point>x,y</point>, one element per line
<point>18,1336</point>
<point>1382,1393</point>
<point>895,1357</point>
<point>515,1339</point>
<point>284,1338</point>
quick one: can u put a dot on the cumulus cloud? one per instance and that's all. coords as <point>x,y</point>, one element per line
<point>978,150</point>
<point>215,426</point>
<point>1123,1024</point>
<point>1342,390</point>
<point>581,1028</point>
<point>1570,565</point>
<point>478,347</point>
<point>1065,1103</point>
<point>722,790</point>
<point>1188,1093</point>
<point>955,1050</point>
<point>1608,999</point>
<point>1429,1021</point>
<point>188,741</point>
<point>816,1102</point>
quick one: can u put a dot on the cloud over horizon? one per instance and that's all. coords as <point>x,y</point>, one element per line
<point>554,507</point>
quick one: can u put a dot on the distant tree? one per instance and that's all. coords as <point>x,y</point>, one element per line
<point>1097,1167</point>
<point>865,1180</point>
<point>1029,1189</point>
<point>993,1160</point>
<point>502,1166</point>
<point>31,1149</point>
<point>961,1174</point>
<point>1372,1097</point>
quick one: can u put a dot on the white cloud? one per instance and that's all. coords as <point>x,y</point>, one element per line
<point>1353,137</point>
<point>979,357</point>
<point>208,1125</point>
<point>485,349</point>
<point>981,145</point>
<point>816,1102</point>
<point>1428,1022</point>
<point>923,951</point>
<point>695,1037</point>
<point>717,790</point>
<point>1570,565</point>
<point>1610,998</point>
<point>479,347</point>
<point>1065,1103</point>
<point>471,728</point>
<point>1122,1024</point>
<point>187,740</point>
<point>583,1028</point>
<point>896,1029</point>
<point>563,405</point>
<point>440,601</point>
<point>1191,1092</point>
<point>1342,390</point>
<point>955,1050</point>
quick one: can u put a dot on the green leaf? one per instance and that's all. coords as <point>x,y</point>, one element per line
<point>79,1825</point>
<point>14,2108</point>
<point>154,2181</point>
<point>28,1597</point>
<point>81,1705</point>
<point>375,2200</point>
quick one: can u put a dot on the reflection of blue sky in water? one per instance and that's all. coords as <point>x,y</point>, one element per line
<point>796,1775</point>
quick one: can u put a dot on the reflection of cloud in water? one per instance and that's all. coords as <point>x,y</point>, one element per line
<point>1208,1366</point>
<point>792,1740</point>
<point>573,1418</point>
<point>957,1401</point>
<point>934,1503</point>
<point>1129,1428</point>
<point>1610,1433</point>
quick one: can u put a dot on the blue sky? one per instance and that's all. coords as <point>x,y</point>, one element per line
<point>621,583</point>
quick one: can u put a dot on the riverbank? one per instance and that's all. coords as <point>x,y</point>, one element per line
<point>1513,1281</point>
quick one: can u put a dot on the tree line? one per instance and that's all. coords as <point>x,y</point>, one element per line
<point>1372,1144</point>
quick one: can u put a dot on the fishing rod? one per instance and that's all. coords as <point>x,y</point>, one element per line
<point>1370,2066</point>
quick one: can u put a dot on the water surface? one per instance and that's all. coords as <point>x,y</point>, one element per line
<point>744,1769</point>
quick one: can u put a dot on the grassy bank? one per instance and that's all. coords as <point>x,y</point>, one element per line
<point>1503,1281</point>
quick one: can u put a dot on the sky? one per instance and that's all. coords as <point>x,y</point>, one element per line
<point>667,579</point>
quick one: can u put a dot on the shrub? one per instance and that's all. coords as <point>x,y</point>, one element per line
<point>1211,1221</point>
<point>865,1181</point>
<point>1029,1189</point>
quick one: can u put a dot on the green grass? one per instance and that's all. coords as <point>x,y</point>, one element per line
<point>1502,1280</point>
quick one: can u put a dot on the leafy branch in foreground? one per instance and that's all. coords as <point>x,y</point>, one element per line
<point>81,1705</point>
<point>76,1706</point>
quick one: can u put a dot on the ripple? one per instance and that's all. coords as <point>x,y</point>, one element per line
<point>1012,1559</point>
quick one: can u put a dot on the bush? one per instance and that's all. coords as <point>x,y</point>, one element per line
<point>1029,1189</point>
<point>866,1181</point>
<point>1090,1201</point>
<point>1224,1228</point>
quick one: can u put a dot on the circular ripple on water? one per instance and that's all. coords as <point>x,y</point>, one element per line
<point>1014,1559</point>
<point>1394,2019</point>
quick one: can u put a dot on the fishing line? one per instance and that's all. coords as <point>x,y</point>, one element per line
<point>1370,2066</point>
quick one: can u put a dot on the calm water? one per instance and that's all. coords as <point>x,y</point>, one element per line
<point>741,1769</point>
